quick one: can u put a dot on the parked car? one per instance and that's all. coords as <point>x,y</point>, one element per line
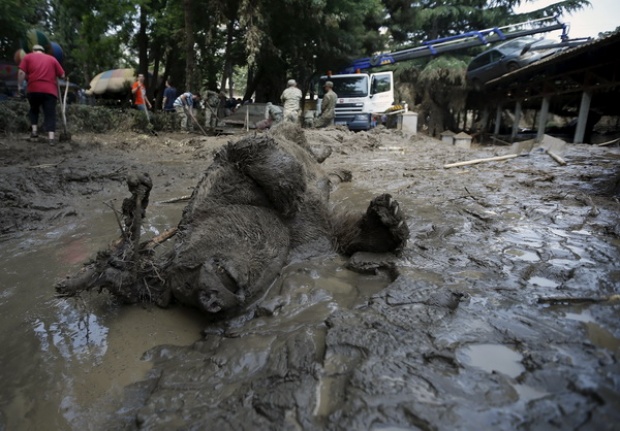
<point>508,57</point>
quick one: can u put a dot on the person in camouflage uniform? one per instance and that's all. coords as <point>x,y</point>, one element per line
<point>328,107</point>
<point>212,103</point>
<point>273,115</point>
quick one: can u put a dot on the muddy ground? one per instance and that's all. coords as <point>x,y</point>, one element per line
<point>504,316</point>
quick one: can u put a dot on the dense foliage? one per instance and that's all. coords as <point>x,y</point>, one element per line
<point>250,47</point>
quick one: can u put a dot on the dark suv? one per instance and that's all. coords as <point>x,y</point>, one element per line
<point>507,57</point>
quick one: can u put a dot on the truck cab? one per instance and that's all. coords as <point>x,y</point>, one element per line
<point>360,96</point>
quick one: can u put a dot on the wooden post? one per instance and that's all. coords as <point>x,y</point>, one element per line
<point>484,120</point>
<point>498,120</point>
<point>517,120</point>
<point>584,108</point>
<point>542,118</point>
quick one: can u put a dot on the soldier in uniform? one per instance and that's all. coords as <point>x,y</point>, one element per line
<point>328,107</point>
<point>212,103</point>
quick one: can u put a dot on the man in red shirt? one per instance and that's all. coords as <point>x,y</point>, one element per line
<point>139,93</point>
<point>41,71</point>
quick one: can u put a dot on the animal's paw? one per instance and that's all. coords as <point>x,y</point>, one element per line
<point>388,213</point>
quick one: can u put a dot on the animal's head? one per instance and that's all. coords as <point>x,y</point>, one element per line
<point>217,290</point>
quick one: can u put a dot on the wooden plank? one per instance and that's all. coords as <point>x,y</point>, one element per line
<point>557,158</point>
<point>613,141</point>
<point>489,159</point>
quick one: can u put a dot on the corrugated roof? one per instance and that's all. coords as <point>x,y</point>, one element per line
<point>560,57</point>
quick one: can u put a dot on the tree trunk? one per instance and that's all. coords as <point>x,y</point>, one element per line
<point>252,83</point>
<point>155,84</point>
<point>228,67</point>
<point>190,61</point>
<point>143,66</point>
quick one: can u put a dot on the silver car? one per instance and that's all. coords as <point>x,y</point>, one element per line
<point>508,57</point>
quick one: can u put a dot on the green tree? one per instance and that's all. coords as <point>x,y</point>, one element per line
<point>17,17</point>
<point>296,38</point>
<point>204,43</point>
<point>92,33</point>
<point>438,85</point>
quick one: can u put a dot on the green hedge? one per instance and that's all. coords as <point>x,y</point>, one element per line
<point>85,119</point>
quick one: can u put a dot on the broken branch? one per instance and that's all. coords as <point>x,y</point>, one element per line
<point>164,236</point>
<point>46,165</point>
<point>174,200</point>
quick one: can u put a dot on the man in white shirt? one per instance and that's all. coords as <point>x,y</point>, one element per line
<point>291,99</point>
<point>184,107</point>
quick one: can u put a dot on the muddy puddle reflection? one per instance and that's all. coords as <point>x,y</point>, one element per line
<point>65,363</point>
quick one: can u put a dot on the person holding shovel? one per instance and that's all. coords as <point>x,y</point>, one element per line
<point>184,107</point>
<point>42,72</point>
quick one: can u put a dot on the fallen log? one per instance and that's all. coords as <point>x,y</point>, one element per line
<point>475,161</point>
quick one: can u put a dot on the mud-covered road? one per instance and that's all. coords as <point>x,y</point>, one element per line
<point>504,316</point>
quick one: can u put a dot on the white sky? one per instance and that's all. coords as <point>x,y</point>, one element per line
<point>603,15</point>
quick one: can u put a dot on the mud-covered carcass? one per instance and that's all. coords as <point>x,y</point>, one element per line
<point>262,202</point>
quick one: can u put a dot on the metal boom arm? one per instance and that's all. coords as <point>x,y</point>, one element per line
<point>461,41</point>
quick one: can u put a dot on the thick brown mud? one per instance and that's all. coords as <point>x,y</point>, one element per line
<point>504,315</point>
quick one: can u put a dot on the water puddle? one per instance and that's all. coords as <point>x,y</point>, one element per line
<point>522,254</point>
<point>582,315</point>
<point>492,358</point>
<point>542,282</point>
<point>79,353</point>
<point>598,335</point>
<point>601,337</point>
<point>497,358</point>
<point>82,353</point>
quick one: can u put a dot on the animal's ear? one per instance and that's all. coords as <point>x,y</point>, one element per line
<point>277,172</point>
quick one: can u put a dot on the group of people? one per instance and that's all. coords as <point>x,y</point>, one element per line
<point>42,71</point>
<point>183,105</point>
<point>291,107</point>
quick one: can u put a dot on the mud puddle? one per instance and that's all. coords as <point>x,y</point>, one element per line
<point>459,341</point>
<point>66,363</point>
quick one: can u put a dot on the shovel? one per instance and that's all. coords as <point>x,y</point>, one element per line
<point>149,125</point>
<point>213,112</point>
<point>189,113</point>
<point>64,135</point>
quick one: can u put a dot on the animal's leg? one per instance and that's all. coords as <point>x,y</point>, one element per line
<point>381,229</point>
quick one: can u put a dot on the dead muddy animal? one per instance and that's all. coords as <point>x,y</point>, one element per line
<point>263,202</point>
